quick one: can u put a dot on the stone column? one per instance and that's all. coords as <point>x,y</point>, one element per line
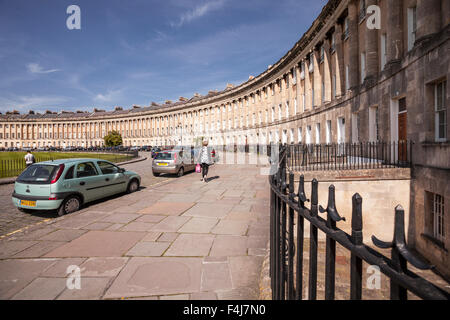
<point>394,50</point>
<point>428,18</point>
<point>371,45</point>
<point>353,45</point>
<point>339,60</point>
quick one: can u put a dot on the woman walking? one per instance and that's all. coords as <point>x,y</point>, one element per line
<point>204,160</point>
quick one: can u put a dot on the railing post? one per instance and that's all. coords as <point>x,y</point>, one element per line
<point>290,294</point>
<point>357,239</point>
<point>400,254</point>
<point>300,235</point>
<point>330,251</point>
<point>312,288</point>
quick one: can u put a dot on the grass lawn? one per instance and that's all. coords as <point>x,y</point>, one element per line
<point>13,163</point>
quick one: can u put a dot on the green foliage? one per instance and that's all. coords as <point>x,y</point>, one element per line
<point>112,139</point>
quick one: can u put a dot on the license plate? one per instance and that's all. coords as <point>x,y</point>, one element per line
<point>28,203</point>
<point>162,163</point>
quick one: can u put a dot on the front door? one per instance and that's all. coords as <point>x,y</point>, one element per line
<point>114,180</point>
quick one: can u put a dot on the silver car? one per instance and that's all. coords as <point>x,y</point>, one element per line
<point>173,161</point>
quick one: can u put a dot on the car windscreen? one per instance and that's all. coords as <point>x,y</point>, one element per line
<point>37,174</point>
<point>164,156</point>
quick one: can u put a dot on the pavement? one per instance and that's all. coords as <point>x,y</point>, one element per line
<point>176,238</point>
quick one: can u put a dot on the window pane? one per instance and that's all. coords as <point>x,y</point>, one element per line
<point>107,168</point>
<point>69,174</point>
<point>86,169</point>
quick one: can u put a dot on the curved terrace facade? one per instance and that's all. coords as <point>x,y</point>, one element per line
<point>335,85</point>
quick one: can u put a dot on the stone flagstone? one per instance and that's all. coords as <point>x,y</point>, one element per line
<point>98,244</point>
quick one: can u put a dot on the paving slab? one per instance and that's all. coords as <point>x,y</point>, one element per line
<point>157,276</point>
<point>168,237</point>
<point>137,226</point>
<point>63,235</point>
<point>10,248</point>
<point>90,289</point>
<point>151,236</point>
<point>98,226</point>
<point>199,225</point>
<point>216,276</point>
<point>98,244</point>
<point>225,245</point>
<point>59,268</point>
<point>245,270</point>
<point>39,249</point>
<point>233,227</point>
<point>167,208</point>
<point>148,249</point>
<point>15,274</point>
<point>102,267</point>
<point>170,224</point>
<point>35,234</point>
<point>207,210</point>
<point>42,289</point>
<point>121,217</point>
<point>196,245</point>
<point>152,218</point>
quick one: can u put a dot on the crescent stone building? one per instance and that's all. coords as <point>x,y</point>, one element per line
<point>366,70</point>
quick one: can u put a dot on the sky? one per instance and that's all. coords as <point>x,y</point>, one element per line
<point>137,52</point>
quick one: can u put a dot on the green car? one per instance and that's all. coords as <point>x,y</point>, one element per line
<point>65,185</point>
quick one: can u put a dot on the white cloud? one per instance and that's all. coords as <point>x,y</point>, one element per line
<point>36,68</point>
<point>198,12</point>
<point>22,103</point>
<point>109,96</point>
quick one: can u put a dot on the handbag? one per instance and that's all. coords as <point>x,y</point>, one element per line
<point>198,169</point>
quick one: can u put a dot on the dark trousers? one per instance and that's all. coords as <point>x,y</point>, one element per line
<point>205,167</point>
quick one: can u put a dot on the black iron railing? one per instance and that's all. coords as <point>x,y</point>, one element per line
<point>347,156</point>
<point>286,249</point>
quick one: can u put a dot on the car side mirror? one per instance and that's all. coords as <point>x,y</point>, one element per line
<point>121,170</point>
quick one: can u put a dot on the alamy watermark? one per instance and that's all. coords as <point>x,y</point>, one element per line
<point>73,277</point>
<point>74,20</point>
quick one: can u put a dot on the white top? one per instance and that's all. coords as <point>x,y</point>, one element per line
<point>204,158</point>
<point>29,158</point>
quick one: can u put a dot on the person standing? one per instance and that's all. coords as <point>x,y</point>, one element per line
<point>29,159</point>
<point>204,160</point>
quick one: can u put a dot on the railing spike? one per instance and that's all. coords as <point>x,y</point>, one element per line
<point>357,224</point>
<point>399,241</point>
<point>331,207</point>
<point>301,190</point>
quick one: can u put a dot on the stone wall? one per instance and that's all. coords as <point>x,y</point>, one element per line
<point>381,190</point>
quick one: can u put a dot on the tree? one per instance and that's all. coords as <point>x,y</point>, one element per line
<point>112,139</point>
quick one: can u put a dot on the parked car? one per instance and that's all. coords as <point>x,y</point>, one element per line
<point>65,185</point>
<point>173,161</point>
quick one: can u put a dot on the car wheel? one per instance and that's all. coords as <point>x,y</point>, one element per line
<point>180,172</point>
<point>156,174</point>
<point>69,205</point>
<point>133,186</point>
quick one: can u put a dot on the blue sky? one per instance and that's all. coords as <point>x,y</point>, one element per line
<point>138,51</point>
